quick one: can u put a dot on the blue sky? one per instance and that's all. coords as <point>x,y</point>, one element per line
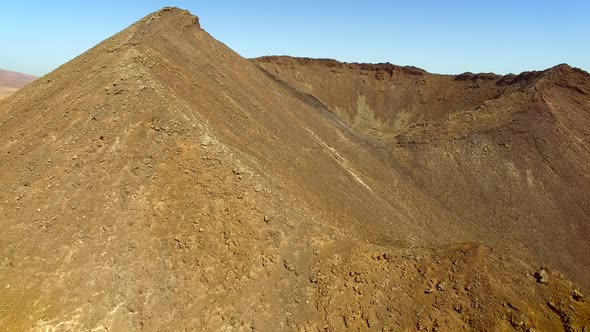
<point>451,36</point>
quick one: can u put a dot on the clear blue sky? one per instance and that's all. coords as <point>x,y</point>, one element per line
<point>449,36</point>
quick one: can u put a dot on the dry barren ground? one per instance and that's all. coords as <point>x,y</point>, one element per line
<point>10,82</point>
<point>162,182</point>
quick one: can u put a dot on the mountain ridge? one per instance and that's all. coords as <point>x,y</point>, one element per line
<point>408,69</point>
<point>160,181</point>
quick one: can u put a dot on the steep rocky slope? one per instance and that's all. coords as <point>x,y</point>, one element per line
<point>161,182</point>
<point>11,81</point>
<point>507,156</point>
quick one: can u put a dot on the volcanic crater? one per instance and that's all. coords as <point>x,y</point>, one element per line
<point>162,182</point>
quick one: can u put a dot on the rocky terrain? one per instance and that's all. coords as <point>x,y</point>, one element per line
<point>507,155</point>
<point>11,82</point>
<point>162,182</point>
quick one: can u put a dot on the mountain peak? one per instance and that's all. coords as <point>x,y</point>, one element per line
<point>158,180</point>
<point>565,70</point>
<point>168,19</point>
<point>567,76</point>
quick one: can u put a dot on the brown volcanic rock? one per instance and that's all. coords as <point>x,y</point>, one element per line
<point>508,156</point>
<point>467,76</point>
<point>11,81</point>
<point>331,63</point>
<point>162,182</point>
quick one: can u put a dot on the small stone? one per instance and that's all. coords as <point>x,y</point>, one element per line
<point>578,296</point>
<point>428,291</point>
<point>266,218</point>
<point>288,265</point>
<point>441,286</point>
<point>542,276</point>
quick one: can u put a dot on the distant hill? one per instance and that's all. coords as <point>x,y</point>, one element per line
<point>12,81</point>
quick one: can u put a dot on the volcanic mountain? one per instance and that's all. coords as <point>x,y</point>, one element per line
<point>162,182</point>
<point>11,81</point>
<point>508,156</point>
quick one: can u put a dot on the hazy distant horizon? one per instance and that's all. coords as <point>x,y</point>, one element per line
<point>445,38</point>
